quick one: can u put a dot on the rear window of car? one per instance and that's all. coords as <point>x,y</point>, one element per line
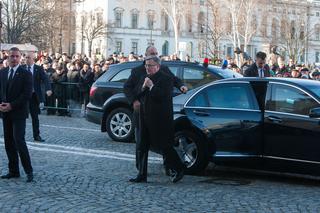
<point>121,76</point>
<point>225,73</point>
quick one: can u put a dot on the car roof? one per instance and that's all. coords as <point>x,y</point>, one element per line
<point>293,81</point>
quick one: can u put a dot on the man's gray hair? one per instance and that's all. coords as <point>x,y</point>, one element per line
<point>153,58</point>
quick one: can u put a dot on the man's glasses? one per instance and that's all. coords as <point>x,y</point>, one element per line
<point>150,65</point>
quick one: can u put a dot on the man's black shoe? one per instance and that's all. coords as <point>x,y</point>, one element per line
<point>38,139</point>
<point>10,175</point>
<point>29,177</point>
<point>139,179</point>
<point>176,176</point>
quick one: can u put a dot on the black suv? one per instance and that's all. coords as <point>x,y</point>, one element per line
<point>109,107</point>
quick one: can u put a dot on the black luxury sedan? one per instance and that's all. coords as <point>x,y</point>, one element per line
<point>110,108</point>
<point>262,123</point>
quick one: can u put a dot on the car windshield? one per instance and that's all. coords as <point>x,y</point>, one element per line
<point>225,73</point>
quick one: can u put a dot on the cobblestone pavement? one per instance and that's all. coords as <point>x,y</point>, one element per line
<point>78,169</point>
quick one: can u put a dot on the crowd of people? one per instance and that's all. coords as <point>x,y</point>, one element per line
<point>277,68</point>
<point>72,76</point>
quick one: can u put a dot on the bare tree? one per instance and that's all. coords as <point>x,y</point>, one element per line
<point>19,17</point>
<point>293,32</point>
<point>32,21</point>
<point>175,9</point>
<point>248,22</point>
<point>93,27</point>
<point>215,31</point>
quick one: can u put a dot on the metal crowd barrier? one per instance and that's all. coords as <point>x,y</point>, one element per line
<point>68,99</point>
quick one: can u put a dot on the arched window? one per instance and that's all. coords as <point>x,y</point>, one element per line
<point>293,29</point>
<point>118,14</point>
<point>164,21</point>
<point>274,29</point>
<point>189,22</point>
<point>201,24</point>
<point>134,18</point>
<point>317,32</point>
<point>228,24</point>
<point>264,26</point>
<point>150,19</point>
<point>202,49</point>
<point>283,30</point>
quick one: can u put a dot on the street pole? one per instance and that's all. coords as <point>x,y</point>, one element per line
<point>307,33</point>
<point>82,25</point>
<point>207,30</point>
<point>1,26</point>
<point>151,43</point>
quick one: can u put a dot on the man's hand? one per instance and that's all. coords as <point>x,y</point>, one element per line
<point>184,89</point>
<point>5,107</point>
<point>136,105</point>
<point>147,83</point>
<point>49,92</point>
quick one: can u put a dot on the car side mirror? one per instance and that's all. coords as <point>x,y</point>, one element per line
<point>314,113</point>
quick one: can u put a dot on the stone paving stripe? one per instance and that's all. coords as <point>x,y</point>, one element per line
<point>73,128</point>
<point>85,152</point>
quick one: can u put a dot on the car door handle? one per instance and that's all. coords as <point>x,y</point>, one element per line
<point>274,119</point>
<point>201,112</point>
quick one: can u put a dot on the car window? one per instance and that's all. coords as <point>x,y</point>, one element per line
<point>193,77</point>
<point>235,96</point>
<point>174,70</point>
<point>290,100</point>
<point>121,76</point>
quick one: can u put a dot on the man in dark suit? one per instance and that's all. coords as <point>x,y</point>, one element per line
<point>258,68</point>
<point>39,76</point>
<point>156,119</point>
<point>131,91</point>
<point>16,90</point>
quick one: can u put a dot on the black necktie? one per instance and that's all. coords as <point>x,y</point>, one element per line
<point>11,74</point>
<point>29,68</point>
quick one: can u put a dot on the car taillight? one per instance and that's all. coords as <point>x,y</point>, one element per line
<point>92,91</point>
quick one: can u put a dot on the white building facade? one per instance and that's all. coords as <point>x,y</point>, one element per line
<point>133,25</point>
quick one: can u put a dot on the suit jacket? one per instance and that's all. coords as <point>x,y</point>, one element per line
<point>252,71</point>
<point>17,93</point>
<point>131,89</point>
<point>39,77</point>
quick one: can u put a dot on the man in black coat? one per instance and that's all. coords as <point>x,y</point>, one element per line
<point>131,91</point>
<point>39,77</point>
<point>16,90</point>
<point>257,69</point>
<point>156,119</point>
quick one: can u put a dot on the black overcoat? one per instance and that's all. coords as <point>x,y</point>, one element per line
<point>156,113</point>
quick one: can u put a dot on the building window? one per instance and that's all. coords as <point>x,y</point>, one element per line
<point>202,49</point>
<point>118,17</point>
<point>119,46</point>
<point>317,14</point>
<point>202,2</point>
<point>317,57</point>
<point>201,24</point>
<point>317,32</point>
<point>150,19</point>
<point>189,23</point>
<point>164,21</point>
<point>134,47</point>
<point>134,19</point>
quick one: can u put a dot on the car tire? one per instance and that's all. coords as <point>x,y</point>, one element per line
<point>119,125</point>
<point>191,150</point>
